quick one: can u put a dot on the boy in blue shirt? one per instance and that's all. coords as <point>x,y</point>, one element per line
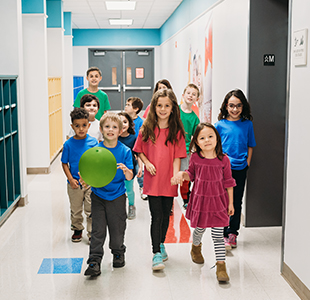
<point>108,204</point>
<point>133,106</point>
<point>72,151</point>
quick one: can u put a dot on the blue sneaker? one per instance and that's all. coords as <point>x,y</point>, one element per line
<point>157,263</point>
<point>163,252</point>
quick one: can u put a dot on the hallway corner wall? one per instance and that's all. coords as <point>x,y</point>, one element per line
<point>298,162</point>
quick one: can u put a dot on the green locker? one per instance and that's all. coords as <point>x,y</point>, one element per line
<point>9,145</point>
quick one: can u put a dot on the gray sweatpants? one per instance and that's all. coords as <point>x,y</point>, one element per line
<point>107,214</point>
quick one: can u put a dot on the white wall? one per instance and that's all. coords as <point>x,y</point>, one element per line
<point>297,243</point>
<point>67,86</point>
<point>230,51</point>
<point>55,51</point>
<point>9,38</point>
<point>36,93</point>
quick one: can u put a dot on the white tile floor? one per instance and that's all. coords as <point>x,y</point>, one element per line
<point>42,230</point>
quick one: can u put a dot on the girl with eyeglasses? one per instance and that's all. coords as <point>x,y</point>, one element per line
<point>236,130</point>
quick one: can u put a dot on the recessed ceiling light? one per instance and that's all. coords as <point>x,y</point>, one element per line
<point>120,21</point>
<point>120,5</point>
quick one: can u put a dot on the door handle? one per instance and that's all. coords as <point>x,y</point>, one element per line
<point>111,88</point>
<point>136,87</point>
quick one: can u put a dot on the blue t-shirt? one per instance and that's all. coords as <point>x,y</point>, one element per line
<point>129,140</point>
<point>138,123</point>
<point>73,149</point>
<point>116,187</point>
<point>236,137</point>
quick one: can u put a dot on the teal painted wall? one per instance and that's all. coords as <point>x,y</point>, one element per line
<point>54,12</point>
<point>33,6</point>
<point>116,37</point>
<point>67,23</point>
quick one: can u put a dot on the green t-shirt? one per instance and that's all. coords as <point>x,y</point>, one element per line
<point>190,122</point>
<point>103,101</point>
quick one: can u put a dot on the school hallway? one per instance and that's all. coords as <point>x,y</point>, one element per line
<point>39,261</point>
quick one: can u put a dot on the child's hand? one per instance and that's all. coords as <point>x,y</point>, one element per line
<point>122,167</point>
<point>82,182</point>
<point>179,178</point>
<point>174,180</point>
<point>150,168</point>
<point>139,174</point>
<point>74,183</point>
<point>231,210</point>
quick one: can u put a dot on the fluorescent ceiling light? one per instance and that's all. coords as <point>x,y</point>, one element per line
<point>120,21</point>
<point>120,5</point>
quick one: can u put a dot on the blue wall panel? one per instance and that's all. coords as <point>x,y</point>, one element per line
<point>116,37</point>
<point>54,12</point>
<point>33,6</point>
<point>67,23</point>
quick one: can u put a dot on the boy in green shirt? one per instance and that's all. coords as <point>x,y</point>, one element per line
<point>94,76</point>
<point>190,122</point>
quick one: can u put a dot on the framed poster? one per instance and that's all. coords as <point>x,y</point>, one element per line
<point>300,41</point>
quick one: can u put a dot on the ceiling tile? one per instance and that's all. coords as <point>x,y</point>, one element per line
<point>148,13</point>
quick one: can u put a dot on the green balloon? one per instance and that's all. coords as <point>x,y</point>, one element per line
<point>97,167</point>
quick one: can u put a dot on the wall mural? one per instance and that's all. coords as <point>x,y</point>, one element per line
<point>199,69</point>
<point>191,50</point>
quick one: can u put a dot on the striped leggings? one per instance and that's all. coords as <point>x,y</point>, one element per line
<point>217,234</point>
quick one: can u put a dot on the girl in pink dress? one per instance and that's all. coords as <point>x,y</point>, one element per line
<point>211,200</point>
<point>161,145</point>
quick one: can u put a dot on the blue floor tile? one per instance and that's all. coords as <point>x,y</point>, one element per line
<point>61,266</point>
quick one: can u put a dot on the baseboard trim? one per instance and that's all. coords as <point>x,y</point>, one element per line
<point>39,170</point>
<point>297,285</point>
<point>23,201</point>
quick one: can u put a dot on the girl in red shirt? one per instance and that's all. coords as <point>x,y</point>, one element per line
<point>161,145</point>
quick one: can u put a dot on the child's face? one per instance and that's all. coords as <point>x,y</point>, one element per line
<point>92,108</point>
<point>206,139</point>
<point>234,108</point>
<point>80,128</point>
<point>163,108</point>
<point>94,78</point>
<point>129,109</point>
<point>125,124</point>
<point>110,130</point>
<point>190,96</point>
<point>161,86</point>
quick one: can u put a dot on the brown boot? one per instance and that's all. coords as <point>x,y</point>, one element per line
<point>196,254</point>
<point>221,273</point>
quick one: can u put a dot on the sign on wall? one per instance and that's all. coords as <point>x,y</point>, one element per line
<point>299,53</point>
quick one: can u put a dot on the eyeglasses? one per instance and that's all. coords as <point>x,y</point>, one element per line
<point>232,106</point>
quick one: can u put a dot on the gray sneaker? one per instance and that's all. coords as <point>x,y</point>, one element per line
<point>93,270</point>
<point>143,196</point>
<point>131,212</point>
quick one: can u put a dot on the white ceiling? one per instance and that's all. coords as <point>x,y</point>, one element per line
<point>93,13</point>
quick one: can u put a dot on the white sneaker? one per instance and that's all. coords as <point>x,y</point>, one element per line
<point>143,196</point>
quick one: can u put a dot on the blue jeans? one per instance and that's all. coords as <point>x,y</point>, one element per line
<point>234,221</point>
<point>140,179</point>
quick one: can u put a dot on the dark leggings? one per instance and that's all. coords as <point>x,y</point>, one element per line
<point>234,222</point>
<point>160,208</point>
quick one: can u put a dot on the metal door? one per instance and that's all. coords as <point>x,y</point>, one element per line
<point>125,73</point>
